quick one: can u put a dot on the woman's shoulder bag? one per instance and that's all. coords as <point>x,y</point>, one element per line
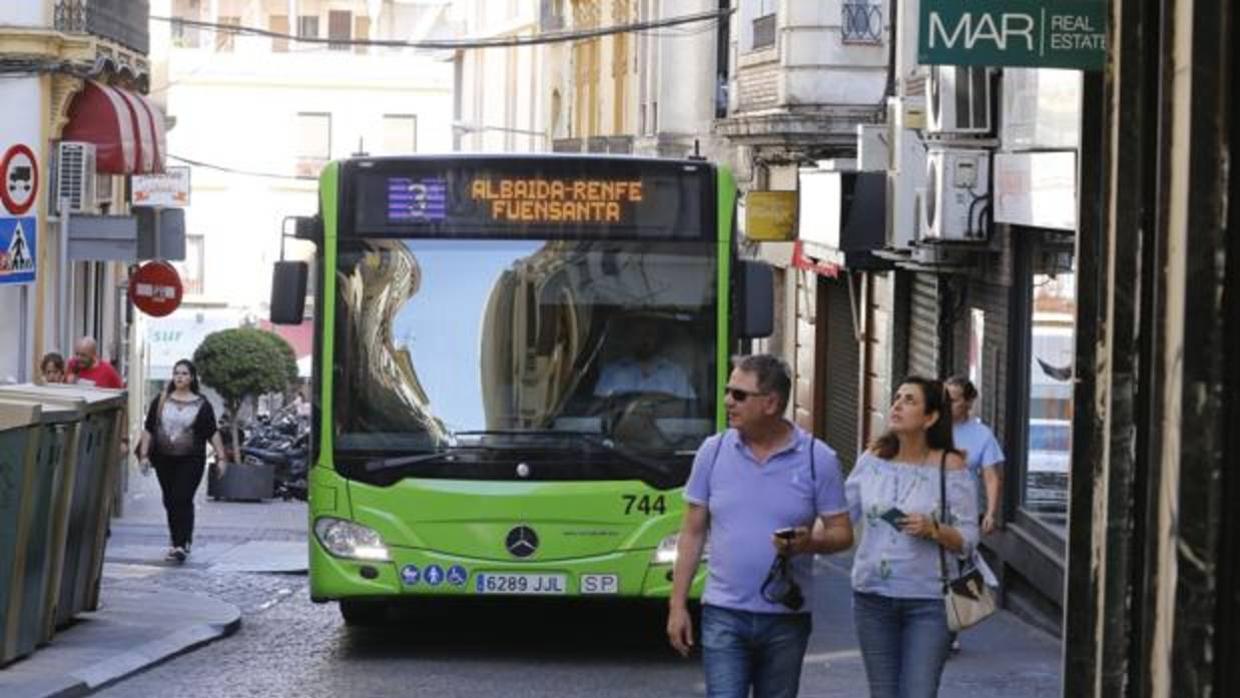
<point>967,599</point>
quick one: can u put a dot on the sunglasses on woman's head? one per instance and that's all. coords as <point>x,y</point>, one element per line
<point>740,394</point>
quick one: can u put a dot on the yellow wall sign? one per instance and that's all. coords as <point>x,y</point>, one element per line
<point>771,215</point>
<point>556,200</point>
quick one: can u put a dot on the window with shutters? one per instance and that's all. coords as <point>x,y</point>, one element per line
<point>308,26</point>
<point>759,22</point>
<point>339,28</point>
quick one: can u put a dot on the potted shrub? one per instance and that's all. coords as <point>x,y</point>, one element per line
<point>241,364</point>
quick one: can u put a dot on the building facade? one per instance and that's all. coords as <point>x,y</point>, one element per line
<point>256,119</point>
<point>498,98</point>
<point>801,78</point>
<point>73,71</point>
<point>935,235</point>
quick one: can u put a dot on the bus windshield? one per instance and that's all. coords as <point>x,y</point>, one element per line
<point>489,343</point>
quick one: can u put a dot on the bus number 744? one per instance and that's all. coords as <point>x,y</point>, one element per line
<point>644,504</point>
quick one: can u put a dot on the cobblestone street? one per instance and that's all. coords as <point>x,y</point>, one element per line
<point>289,646</point>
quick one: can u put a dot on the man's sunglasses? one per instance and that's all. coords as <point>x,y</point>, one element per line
<point>740,394</point>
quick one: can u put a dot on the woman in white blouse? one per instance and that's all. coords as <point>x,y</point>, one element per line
<point>896,577</point>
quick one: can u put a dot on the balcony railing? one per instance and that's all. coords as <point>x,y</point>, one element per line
<point>122,21</point>
<point>862,22</point>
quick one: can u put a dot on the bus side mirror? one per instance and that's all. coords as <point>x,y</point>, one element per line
<point>288,292</point>
<point>753,308</point>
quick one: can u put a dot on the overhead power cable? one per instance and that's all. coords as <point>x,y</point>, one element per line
<point>248,173</point>
<point>458,44</point>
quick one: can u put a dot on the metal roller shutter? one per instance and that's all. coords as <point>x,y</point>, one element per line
<point>923,337</point>
<point>842,362</point>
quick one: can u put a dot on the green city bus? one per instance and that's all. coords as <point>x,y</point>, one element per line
<point>515,360</point>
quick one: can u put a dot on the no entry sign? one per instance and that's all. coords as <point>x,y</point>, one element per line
<point>20,185</point>
<point>155,288</point>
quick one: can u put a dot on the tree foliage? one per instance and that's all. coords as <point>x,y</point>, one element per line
<point>244,362</point>
<point>290,357</point>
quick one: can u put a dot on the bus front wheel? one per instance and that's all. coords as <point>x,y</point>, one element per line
<point>363,613</point>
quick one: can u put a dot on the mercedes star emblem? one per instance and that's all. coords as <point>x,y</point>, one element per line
<point>521,541</point>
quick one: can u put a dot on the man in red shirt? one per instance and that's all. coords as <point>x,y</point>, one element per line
<point>87,368</point>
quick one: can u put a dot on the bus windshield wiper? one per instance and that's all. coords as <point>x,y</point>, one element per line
<point>380,464</point>
<point>579,438</point>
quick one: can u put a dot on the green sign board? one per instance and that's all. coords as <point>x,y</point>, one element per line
<point>1027,33</point>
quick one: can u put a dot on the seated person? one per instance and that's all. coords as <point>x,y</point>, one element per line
<point>643,369</point>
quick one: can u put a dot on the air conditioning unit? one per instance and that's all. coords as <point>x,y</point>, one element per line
<point>905,177</point>
<point>958,100</point>
<point>955,196</point>
<point>75,177</point>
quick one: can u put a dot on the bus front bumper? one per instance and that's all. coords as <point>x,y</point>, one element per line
<point>414,572</point>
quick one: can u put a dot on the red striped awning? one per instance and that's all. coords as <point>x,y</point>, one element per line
<point>126,128</point>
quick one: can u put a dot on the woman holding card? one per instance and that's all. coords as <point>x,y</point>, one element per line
<point>896,577</point>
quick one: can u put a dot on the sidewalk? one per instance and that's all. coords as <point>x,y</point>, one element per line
<point>151,610</point>
<point>1003,657</point>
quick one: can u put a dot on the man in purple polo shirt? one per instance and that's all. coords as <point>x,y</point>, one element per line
<point>762,475</point>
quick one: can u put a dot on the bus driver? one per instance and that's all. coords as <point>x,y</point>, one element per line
<point>643,369</point>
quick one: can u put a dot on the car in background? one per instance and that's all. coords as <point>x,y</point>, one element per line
<point>1048,466</point>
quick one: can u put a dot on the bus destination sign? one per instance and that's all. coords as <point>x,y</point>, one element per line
<point>498,199</point>
<point>557,200</point>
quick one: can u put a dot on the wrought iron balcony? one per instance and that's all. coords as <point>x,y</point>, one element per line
<point>122,21</point>
<point>862,21</point>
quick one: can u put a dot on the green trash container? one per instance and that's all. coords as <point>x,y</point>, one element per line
<point>19,441</point>
<point>26,618</point>
<point>96,459</point>
<point>61,453</point>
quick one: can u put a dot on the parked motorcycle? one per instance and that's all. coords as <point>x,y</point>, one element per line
<point>281,440</point>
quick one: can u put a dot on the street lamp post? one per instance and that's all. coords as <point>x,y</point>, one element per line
<point>462,127</point>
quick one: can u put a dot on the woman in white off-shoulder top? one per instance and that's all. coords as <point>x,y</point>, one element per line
<point>897,581</point>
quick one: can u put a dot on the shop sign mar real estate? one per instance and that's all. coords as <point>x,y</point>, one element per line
<point>1026,33</point>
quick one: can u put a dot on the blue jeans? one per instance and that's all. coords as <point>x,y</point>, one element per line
<point>904,644</point>
<point>763,650</point>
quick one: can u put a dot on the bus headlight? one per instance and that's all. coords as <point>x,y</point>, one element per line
<point>665,554</point>
<point>350,540</point>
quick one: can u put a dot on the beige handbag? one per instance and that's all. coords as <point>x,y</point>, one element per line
<point>967,599</point>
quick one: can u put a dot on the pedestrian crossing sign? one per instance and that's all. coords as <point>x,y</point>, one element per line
<point>18,249</point>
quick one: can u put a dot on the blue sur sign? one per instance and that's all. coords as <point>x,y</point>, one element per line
<point>18,247</point>
<point>1028,33</point>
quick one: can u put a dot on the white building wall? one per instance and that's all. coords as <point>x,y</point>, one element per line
<point>237,113</point>
<point>501,104</point>
<point>681,70</point>
<point>22,124</point>
<point>811,44</point>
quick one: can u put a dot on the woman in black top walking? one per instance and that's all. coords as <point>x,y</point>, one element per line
<point>179,423</point>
